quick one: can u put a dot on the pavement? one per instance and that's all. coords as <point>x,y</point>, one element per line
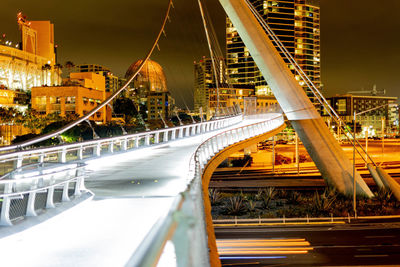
<point>132,190</point>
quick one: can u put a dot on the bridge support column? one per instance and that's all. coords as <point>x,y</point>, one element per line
<point>329,157</point>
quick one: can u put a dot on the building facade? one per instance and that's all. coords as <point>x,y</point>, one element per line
<point>149,90</point>
<point>205,89</point>
<point>31,62</point>
<point>112,82</point>
<point>297,24</point>
<point>79,95</point>
<point>372,121</point>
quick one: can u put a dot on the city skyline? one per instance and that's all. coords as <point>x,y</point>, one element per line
<point>354,54</point>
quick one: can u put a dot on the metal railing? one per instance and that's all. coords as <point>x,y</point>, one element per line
<point>184,225</point>
<point>35,187</point>
<point>98,147</point>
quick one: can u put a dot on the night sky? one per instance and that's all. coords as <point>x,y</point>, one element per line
<point>360,40</point>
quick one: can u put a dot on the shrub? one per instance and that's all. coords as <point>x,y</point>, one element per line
<point>236,206</point>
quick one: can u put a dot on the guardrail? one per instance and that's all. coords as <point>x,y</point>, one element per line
<point>184,225</point>
<point>99,147</point>
<point>38,186</point>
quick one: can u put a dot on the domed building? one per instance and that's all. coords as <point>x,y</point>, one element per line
<point>149,89</point>
<point>151,78</point>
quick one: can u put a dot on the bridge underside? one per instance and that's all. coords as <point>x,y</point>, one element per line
<point>207,173</point>
<point>329,157</point>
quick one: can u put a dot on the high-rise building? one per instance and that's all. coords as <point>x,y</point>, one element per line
<point>296,23</point>
<point>205,93</point>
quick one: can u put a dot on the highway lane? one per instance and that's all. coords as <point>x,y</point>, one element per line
<point>331,245</point>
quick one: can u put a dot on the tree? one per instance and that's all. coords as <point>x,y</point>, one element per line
<point>58,67</point>
<point>45,69</point>
<point>125,106</point>
<point>69,65</point>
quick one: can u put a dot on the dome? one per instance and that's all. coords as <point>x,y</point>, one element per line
<point>151,77</point>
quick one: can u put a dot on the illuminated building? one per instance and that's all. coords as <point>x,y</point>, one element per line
<point>33,62</point>
<point>79,94</point>
<point>149,90</point>
<point>296,23</point>
<point>113,83</point>
<point>205,92</point>
<point>346,105</point>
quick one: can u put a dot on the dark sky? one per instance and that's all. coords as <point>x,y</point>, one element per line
<point>360,39</point>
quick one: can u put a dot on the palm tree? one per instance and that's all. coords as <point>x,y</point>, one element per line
<point>69,65</point>
<point>45,69</point>
<point>58,67</point>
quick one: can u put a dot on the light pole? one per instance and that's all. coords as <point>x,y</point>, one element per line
<point>354,154</point>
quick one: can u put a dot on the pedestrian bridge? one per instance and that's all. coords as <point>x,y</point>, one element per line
<point>147,196</point>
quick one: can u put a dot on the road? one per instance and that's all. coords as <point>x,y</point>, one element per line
<point>256,178</point>
<point>329,245</point>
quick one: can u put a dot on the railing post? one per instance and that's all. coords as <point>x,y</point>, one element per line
<point>49,199</point>
<point>111,147</point>
<point>62,156</point>
<point>124,144</point>
<point>157,138</point>
<point>173,134</point>
<point>65,197</point>
<point>41,158</point>
<point>80,153</point>
<point>199,128</point>
<point>5,206</point>
<point>30,209</point>
<point>78,183</point>
<point>97,150</point>
<point>147,140</point>
<point>137,141</point>
<point>194,130</point>
<point>187,131</point>
<point>165,136</point>
<point>180,134</point>
<point>18,162</point>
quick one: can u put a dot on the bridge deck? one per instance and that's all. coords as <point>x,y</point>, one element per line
<point>132,191</point>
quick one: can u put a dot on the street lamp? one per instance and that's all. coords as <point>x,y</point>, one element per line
<point>354,154</point>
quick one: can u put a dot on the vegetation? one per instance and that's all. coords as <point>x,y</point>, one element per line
<point>272,203</point>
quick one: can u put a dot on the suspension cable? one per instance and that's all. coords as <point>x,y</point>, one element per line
<point>332,113</point>
<point>103,104</point>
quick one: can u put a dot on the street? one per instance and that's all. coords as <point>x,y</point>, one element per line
<point>363,244</point>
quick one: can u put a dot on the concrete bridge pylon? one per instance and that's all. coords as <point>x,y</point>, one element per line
<point>323,148</point>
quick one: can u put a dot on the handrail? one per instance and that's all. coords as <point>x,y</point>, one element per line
<point>124,143</point>
<point>308,82</point>
<point>40,181</point>
<point>171,225</point>
<point>103,104</point>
